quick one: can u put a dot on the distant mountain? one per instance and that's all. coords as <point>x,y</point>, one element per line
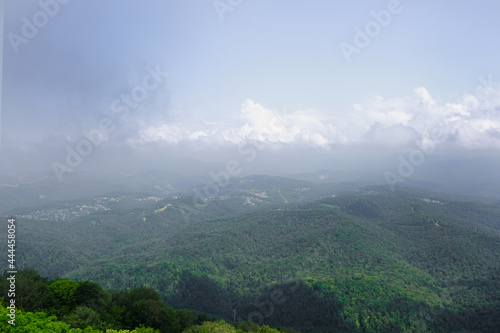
<point>479,176</point>
<point>340,176</point>
<point>28,190</point>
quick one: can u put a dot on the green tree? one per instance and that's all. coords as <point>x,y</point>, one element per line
<point>63,292</point>
<point>144,306</point>
<point>158,315</point>
<point>88,293</point>
<point>187,318</point>
<point>267,329</point>
<point>40,322</point>
<point>83,317</point>
<point>247,326</point>
<point>32,292</point>
<point>212,327</point>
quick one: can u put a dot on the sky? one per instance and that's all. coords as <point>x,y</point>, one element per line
<point>283,83</point>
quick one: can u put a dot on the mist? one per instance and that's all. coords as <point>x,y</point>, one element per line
<point>125,89</point>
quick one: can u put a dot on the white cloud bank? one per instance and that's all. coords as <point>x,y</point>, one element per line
<point>471,123</point>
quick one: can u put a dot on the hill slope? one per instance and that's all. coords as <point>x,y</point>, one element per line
<point>369,260</point>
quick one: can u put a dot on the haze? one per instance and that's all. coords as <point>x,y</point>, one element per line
<point>395,90</point>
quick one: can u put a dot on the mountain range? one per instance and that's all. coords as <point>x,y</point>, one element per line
<point>315,256</point>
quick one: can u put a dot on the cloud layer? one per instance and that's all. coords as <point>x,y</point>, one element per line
<point>472,122</point>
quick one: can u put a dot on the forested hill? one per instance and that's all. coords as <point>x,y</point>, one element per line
<point>65,306</point>
<point>367,260</point>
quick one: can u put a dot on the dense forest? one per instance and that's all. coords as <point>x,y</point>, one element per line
<point>60,305</point>
<point>364,260</point>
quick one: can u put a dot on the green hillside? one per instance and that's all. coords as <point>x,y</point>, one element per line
<point>369,260</point>
<point>66,306</point>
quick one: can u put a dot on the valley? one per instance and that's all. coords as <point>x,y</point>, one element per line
<point>284,252</point>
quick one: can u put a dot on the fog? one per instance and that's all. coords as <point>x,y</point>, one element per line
<point>190,89</point>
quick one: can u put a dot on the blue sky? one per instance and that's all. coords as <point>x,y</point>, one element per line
<point>272,71</point>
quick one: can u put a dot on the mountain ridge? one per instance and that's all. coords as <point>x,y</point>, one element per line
<point>349,252</point>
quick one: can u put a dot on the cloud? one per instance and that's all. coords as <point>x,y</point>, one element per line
<point>168,133</point>
<point>386,122</point>
<point>303,126</point>
<point>424,95</point>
